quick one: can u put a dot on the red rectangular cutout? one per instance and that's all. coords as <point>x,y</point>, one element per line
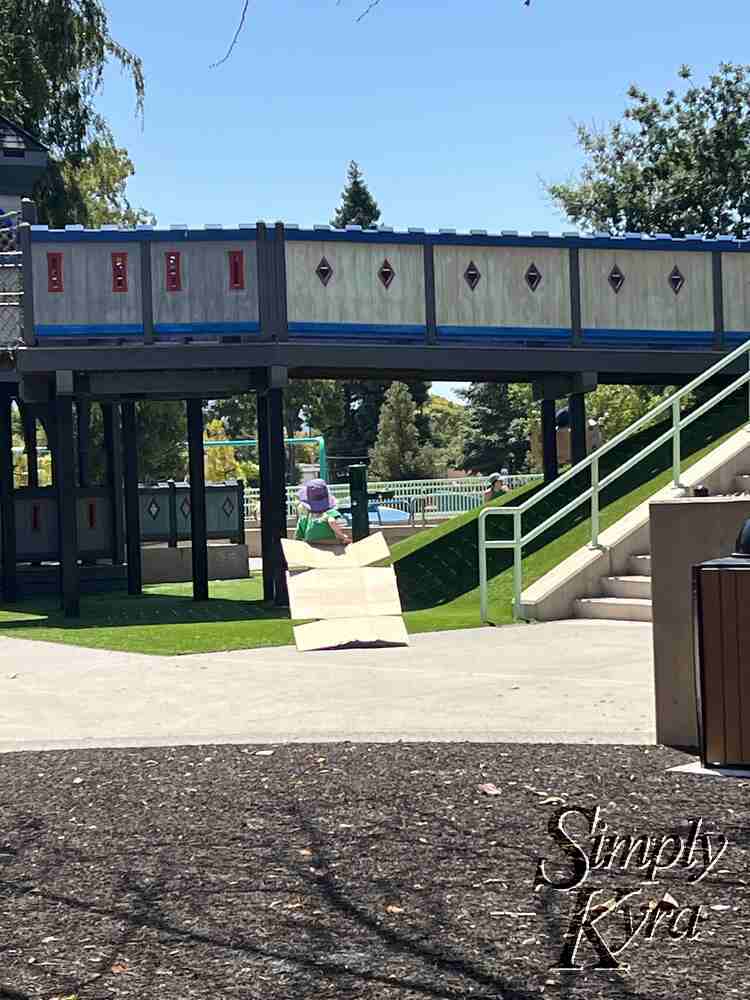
<point>54,272</point>
<point>36,520</point>
<point>173,276</point>
<point>119,272</point>
<point>92,514</point>
<point>236,269</point>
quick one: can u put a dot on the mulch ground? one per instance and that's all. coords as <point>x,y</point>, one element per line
<point>353,871</point>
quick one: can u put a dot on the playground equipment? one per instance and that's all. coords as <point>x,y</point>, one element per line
<point>289,442</point>
<point>112,316</point>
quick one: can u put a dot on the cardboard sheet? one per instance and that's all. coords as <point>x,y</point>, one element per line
<point>347,631</point>
<point>347,593</point>
<point>363,553</point>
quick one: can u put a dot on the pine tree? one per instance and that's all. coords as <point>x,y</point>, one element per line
<point>396,454</point>
<point>358,207</point>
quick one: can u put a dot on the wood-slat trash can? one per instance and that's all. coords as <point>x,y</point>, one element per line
<point>721,619</point>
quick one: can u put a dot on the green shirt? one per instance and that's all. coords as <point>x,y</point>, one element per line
<point>316,527</point>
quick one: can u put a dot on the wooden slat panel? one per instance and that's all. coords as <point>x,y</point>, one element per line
<point>729,613</point>
<point>712,655</point>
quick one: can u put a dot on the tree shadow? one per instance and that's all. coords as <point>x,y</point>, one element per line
<point>123,611</point>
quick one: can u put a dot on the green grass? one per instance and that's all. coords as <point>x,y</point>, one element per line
<point>165,620</point>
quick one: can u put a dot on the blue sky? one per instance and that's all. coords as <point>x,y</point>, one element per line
<point>457,111</point>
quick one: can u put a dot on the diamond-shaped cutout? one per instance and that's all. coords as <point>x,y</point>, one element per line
<point>228,507</point>
<point>324,271</point>
<point>533,277</point>
<point>616,279</point>
<point>153,509</point>
<point>386,273</point>
<point>185,507</point>
<point>676,280</point>
<point>472,275</point>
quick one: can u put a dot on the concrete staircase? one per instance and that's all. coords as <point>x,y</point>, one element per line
<point>622,598</point>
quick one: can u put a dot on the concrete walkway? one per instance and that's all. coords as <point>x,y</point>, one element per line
<point>572,681</point>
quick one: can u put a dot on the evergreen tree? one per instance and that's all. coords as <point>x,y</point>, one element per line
<point>396,454</point>
<point>497,435</point>
<point>358,207</point>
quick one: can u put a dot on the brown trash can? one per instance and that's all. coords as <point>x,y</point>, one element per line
<point>721,620</point>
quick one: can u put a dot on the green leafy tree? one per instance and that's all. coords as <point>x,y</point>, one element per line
<point>397,453</point>
<point>498,432</point>
<point>448,423</point>
<point>679,164</point>
<point>52,59</point>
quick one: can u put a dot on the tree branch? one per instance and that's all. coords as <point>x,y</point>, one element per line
<point>237,34</point>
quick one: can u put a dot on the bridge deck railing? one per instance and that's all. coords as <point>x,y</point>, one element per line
<point>598,483</point>
<point>11,292</point>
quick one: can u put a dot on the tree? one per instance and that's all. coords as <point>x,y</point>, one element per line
<point>221,463</point>
<point>52,58</point>
<point>678,165</point>
<point>448,424</point>
<point>358,207</point>
<point>396,454</point>
<point>498,430</point>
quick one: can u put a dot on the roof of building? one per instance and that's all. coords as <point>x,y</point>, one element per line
<point>14,139</point>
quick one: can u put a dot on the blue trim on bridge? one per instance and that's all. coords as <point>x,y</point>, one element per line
<point>644,338</point>
<point>658,242</point>
<point>359,331</point>
<point>88,330</point>
<point>733,338</point>
<point>504,334</point>
<point>188,329</point>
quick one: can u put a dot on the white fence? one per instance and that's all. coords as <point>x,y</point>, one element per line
<point>420,498</point>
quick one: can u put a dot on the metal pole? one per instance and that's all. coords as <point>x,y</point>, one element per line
<point>482,568</point>
<point>7,504</point>
<point>676,460</point>
<point>595,503</point>
<point>517,565</point>
<point>358,494</point>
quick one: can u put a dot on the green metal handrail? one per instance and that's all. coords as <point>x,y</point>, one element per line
<point>679,422</point>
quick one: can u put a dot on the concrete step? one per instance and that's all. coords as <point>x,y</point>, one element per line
<point>629,609</point>
<point>627,586</point>
<point>640,565</point>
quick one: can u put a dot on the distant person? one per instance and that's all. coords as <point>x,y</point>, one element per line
<point>495,487</point>
<point>319,522</point>
<point>595,434</point>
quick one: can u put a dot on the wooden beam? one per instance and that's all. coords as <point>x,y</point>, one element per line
<point>65,463</point>
<point>113,458</point>
<point>8,577</point>
<point>198,529</point>
<point>132,502</point>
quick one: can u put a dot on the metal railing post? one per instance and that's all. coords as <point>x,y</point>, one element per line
<point>595,503</point>
<point>676,452</point>
<point>517,564</point>
<point>482,569</point>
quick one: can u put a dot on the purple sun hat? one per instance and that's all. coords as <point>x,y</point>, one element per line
<point>316,495</point>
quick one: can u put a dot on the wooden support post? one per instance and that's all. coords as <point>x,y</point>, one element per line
<point>28,420</point>
<point>113,457</point>
<point>577,410</point>
<point>8,576</point>
<point>198,530</point>
<point>266,499</point>
<point>132,501</point>
<point>549,440</point>
<point>278,488</point>
<point>83,414</point>
<point>67,507</point>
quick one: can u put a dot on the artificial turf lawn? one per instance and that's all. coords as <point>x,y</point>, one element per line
<point>165,620</point>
